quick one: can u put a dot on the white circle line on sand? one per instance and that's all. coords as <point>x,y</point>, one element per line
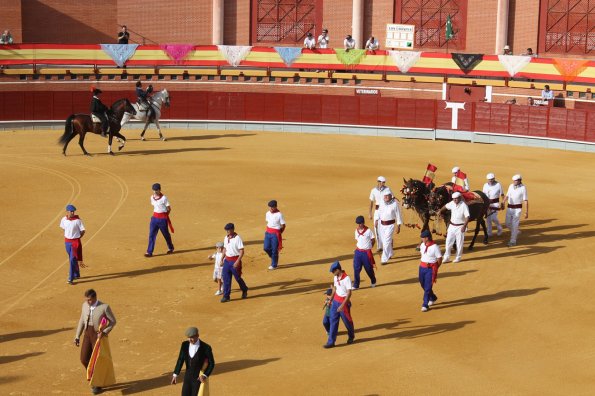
<point>76,191</point>
<point>123,196</point>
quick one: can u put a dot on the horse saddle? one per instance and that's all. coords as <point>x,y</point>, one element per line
<point>95,119</point>
<point>472,198</point>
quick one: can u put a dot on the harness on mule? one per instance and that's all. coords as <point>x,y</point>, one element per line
<point>469,197</point>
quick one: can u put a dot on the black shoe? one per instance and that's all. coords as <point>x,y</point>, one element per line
<point>96,390</point>
<point>170,251</point>
<point>245,294</point>
<point>350,341</point>
<point>148,255</point>
<point>328,346</point>
<point>225,299</point>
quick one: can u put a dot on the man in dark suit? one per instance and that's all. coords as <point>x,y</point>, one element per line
<point>198,356</point>
<point>99,110</point>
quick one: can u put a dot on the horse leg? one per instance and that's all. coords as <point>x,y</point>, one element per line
<point>121,139</point>
<point>109,142</point>
<point>72,136</point>
<point>142,135</point>
<point>159,129</point>
<point>81,140</point>
<point>477,225</point>
<point>485,231</point>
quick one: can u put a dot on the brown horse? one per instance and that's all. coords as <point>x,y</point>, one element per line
<point>441,195</point>
<point>80,124</point>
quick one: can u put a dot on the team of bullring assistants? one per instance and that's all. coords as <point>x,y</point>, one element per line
<point>385,212</point>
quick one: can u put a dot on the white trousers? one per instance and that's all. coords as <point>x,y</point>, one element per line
<point>386,235</point>
<point>454,234</point>
<point>493,218</point>
<point>377,231</point>
<point>513,218</point>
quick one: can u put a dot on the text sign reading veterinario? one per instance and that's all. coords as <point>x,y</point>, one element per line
<point>400,36</point>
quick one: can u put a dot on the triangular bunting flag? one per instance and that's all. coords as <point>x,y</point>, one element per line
<point>234,54</point>
<point>177,52</point>
<point>289,54</point>
<point>570,68</point>
<point>120,53</point>
<point>351,57</point>
<point>467,62</point>
<point>404,59</point>
<point>430,174</point>
<point>513,63</point>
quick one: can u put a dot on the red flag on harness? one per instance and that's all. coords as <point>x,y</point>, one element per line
<point>430,173</point>
<point>460,178</point>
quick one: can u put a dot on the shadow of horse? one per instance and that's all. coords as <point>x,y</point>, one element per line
<point>208,137</point>
<point>172,151</point>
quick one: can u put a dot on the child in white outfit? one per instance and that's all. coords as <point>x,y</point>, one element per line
<point>218,257</point>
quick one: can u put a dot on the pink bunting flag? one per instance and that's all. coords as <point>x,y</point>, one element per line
<point>177,52</point>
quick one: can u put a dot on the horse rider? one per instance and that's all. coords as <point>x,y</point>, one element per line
<point>99,110</point>
<point>143,98</point>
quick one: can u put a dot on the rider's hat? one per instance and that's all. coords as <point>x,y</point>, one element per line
<point>96,91</point>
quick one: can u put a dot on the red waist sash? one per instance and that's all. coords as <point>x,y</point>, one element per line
<point>164,216</point>
<point>234,259</point>
<point>494,200</point>
<point>77,248</point>
<point>338,298</point>
<point>387,222</point>
<point>370,255</point>
<point>433,266</point>
<point>456,224</point>
<point>516,206</point>
<point>279,237</point>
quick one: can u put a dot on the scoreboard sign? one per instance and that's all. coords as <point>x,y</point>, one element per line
<point>400,36</point>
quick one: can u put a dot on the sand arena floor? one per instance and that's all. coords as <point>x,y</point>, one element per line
<point>509,320</point>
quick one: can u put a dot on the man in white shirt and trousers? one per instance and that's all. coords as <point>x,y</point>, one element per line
<point>389,214</point>
<point>515,196</point>
<point>493,190</point>
<point>459,218</point>
<point>376,200</point>
<point>73,232</point>
<point>340,306</point>
<point>273,239</point>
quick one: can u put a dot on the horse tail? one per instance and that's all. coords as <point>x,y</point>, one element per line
<point>68,130</point>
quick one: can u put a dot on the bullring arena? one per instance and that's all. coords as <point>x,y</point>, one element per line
<point>509,320</point>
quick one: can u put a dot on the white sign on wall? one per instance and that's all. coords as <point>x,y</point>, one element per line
<point>400,36</point>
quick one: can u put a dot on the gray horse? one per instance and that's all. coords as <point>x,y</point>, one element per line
<point>156,101</point>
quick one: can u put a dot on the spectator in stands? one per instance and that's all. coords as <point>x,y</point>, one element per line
<point>511,101</point>
<point>123,36</point>
<point>547,94</point>
<point>507,50</point>
<point>6,37</point>
<point>372,44</point>
<point>530,53</point>
<point>323,39</point>
<point>349,43</point>
<point>531,102</point>
<point>309,41</point>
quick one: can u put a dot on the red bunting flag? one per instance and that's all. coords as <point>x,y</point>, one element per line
<point>460,181</point>
<point>429,175</point>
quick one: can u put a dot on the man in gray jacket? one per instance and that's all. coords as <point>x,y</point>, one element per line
<point>93,311</point>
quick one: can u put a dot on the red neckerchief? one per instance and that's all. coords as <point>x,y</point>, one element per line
<point>274,210</point>
<point>157,197</point>
<point>230,237</point>
<point>363,232</point>
<point>342,276</point>
<point>75,217</point>
<point>427,245</point>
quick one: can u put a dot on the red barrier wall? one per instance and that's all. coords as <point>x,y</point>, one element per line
<point>551,122</point>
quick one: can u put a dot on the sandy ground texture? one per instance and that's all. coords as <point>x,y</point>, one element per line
<point>515,321</point>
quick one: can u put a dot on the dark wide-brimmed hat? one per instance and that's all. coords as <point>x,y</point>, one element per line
<point>97,91</point>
